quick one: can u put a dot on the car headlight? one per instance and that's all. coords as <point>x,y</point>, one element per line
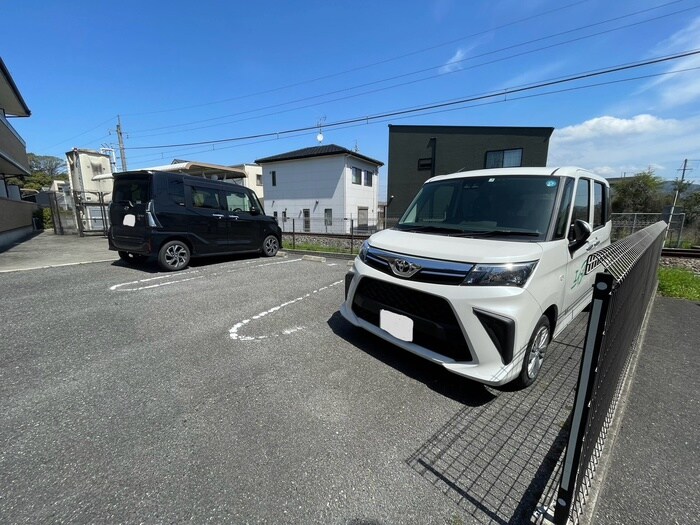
<point>363,251</point>
<point>511,274</point>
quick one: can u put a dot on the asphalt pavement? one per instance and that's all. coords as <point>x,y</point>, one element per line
<point>651,470</point>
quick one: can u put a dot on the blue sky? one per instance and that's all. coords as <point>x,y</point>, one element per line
<point>181,71</point>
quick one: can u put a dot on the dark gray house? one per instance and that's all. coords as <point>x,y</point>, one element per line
<point>417,153</point>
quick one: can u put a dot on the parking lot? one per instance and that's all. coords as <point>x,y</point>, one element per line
<point>234,391</point>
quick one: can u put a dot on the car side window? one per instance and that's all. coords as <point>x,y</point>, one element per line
<point>176,190</point>
<point>582,201</point>
<point>598,205</point>
<point>561,227</point>
<point>237,201</point>
<point>205,198</point>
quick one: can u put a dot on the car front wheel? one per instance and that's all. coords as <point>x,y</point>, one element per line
<point>534,356</point>
<point>173,255</point>
<point>270,246</point>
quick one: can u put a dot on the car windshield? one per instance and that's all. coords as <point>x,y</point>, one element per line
<point>515,206</point>
<point>130,190</point>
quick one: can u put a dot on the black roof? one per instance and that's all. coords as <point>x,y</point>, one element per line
<point>316,151</point>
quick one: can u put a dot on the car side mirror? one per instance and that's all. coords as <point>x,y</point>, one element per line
<point>254,211</point>
<point>581,231</point>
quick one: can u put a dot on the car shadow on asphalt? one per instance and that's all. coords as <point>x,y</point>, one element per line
<point>151,264</point>
<point>435,377</point>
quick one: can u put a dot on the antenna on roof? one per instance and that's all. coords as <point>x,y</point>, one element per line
<point>320,122</point>
<point>357,147</point>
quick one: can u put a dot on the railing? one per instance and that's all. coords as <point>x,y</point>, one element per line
<point>340,235</point>
<point>621,298</point>
<point>624,224</point>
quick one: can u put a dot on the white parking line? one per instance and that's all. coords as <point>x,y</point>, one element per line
<point>233,332</point>
<point>176,278</point>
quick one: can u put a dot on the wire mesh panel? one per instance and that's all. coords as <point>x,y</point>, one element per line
<point>621,298</point>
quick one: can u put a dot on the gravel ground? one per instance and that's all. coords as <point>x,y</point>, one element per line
<point>681,262</point>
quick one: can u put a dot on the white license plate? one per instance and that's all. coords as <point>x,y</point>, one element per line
<point>129,220</point>
<point>397,325</point>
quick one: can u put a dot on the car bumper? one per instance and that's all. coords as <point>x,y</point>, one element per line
<point>479,332</point>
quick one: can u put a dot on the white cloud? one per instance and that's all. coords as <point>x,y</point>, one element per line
<point>611,146</point>
<point>454,63</point>
<point>681,88</point>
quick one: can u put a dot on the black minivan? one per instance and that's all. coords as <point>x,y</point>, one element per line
<point>175,217</point>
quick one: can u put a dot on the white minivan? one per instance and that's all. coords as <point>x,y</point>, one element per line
<point>484,268</point>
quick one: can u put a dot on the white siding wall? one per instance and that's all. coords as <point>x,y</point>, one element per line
<point>359,195</point>
<point>316,184</point>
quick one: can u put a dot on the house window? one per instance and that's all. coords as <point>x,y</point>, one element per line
<point>368,178</point>
<point>504,158</point>
<point>425,164</point>
<point>273,174</point>
<point>356,176</point>
<point>284,216</point>
<point>307,220</point>
<point>362,218</point>
<point>328,216</point>
<point>258,179</point>
<point>274,214</point>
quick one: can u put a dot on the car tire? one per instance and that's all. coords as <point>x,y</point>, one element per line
<point>534,355</point>
<point>131,258</point>
<point>173,256</point>
<point>270,246</point>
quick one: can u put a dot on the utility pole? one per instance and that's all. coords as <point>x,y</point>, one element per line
<point>675,199</point>
<point>122,153</point>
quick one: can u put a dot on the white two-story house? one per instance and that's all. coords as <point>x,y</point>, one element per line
<point>323,188</point>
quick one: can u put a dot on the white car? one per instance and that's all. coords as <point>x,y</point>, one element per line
<point>483,269</point>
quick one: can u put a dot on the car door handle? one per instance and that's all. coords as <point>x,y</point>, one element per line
<point>234,217</point>
<point>219,215</point>
<point>592,245</point>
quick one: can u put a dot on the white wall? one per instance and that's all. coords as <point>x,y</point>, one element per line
<point>316,184</point>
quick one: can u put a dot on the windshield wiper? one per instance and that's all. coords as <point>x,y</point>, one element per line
<point>431,229</point>
<point>502,233</point>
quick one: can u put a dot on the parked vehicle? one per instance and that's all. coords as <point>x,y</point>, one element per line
<point>175,217</point>
<point>483,269</point>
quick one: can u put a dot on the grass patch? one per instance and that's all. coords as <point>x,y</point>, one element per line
<point>676,282</point>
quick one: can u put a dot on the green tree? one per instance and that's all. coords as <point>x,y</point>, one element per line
<point>638,194</point>
<point>691,207</point>
<point>54,167</point>
<point>44,170</point>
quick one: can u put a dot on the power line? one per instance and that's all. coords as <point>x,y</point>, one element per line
<point>501,93</point>
<point>423,70</point>
<point>423,113</point>
<point>373,64</point>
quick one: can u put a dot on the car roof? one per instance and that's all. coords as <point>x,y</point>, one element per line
<point>563,171</point>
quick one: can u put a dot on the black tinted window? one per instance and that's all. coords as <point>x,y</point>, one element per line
<point>176,191</point>
<point>134,191</point>
<point>205,198</point>
<point>598,205</point>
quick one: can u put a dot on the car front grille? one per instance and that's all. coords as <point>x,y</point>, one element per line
<point>435,325</point>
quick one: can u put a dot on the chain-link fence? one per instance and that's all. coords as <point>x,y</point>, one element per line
<point>338,235</point>
<point>625,224</point>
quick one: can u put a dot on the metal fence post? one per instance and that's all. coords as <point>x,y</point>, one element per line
<point>591,349</point>
<point>293,235</point>
<point>352,233</point>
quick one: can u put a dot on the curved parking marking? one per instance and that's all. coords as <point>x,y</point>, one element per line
<point>233,332</point>
<point>176,277</point>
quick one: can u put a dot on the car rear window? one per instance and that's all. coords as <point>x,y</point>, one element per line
<point>131,190</point>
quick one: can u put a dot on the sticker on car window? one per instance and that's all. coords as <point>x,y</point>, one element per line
<point>551,183</point>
